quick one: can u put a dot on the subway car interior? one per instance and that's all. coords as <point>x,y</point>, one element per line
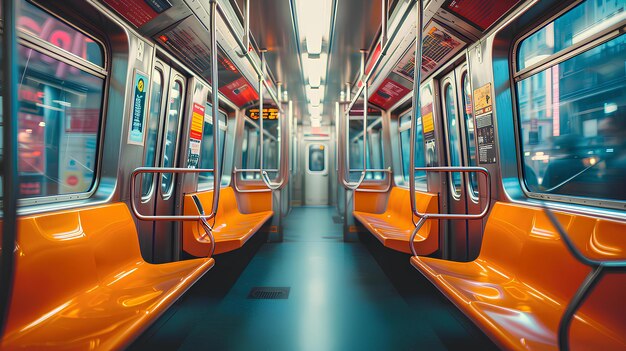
<point>313,175</point>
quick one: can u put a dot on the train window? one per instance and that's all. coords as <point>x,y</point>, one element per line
<point>43,26</point>
<point>374,152</point>
<point>271,152</point>
<point>205,180</point>
<point>171,135</point>
<point>60,104</point>
<point>572,113</point>
<point>469,130</point>
<point>317,158</point>
<point>454,139</point>
<point>156,97</point>
<point>575,26</point>
<point>405,147</point>
<point>250,152</point>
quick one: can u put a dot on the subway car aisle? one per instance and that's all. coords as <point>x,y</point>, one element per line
<point>339,299</point>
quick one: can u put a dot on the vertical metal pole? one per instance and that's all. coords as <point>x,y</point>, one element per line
<point>217,167</point>
<point>246,35</point>
<point>9,156</point>
<point>417,104</point>
<point>261,131</point>
<point>383,34</point>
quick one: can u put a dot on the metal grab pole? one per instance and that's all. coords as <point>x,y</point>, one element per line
<point>215,100</point>
<point>416,102</point>
<point>261,130</point>
<point>347,184</point>
<point>9,156</point>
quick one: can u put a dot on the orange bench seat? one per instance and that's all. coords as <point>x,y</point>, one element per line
<point>231,230</point>
<point>393,227</point>
<point>518,288</point>
<point>81,282</point>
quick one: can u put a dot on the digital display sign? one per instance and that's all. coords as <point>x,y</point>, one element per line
<point>270,113</point>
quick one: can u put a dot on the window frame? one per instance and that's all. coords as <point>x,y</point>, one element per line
<point>223,127</point>
<point>421,186</point>
<point>373,121</point>
<point>39,45</point>
<point>603,36</point>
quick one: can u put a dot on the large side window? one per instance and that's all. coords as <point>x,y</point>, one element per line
<point>205,180</point>
<point>572,108</point>
<point>60,96</point>
<point>405,147</point>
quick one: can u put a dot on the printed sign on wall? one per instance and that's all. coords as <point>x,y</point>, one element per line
<point>137,125</point>
<point>195,135</point>
<point>485,130</point>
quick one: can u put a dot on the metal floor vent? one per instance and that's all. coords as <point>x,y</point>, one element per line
<point>269,293</point>
<point>338,219</point>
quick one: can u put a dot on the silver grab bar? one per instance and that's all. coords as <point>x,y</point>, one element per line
<point>416,104</point>
<point>215,100</point>
<point>236,185</point>
<point>159,170</point>
<point>346,183</point>
<point>208,230</point>
<point>424,216</point>
<point>383,190</point>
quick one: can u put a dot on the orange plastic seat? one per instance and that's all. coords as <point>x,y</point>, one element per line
<point>81,283</point>
<point>394,226</point>
<point>519,286</point>
<point>231,230</point>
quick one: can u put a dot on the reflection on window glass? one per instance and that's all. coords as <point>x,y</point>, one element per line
<point>171,135</point>
<point>250,151</point>
<point>374,158</point>
<point>59,120</point>
<point>575,26</point>
<point>42,25</point>
<point>469,130</point>
<point>573,124</point>
<point>205,180</point>
<point>375,154</point>
<point>271,151</point>
<point>405,146</point>
<point>154,116</point>
<point>317,158</point>
<point>454,142</point>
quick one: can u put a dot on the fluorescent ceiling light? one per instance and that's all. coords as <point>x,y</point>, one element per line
<point>314,44</point>
<point>313,17</point>
<point>315,110</point>
<point>314,69</point>
<point>316,123</point>
<point>315,95</point>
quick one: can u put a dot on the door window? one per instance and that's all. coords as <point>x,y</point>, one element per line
<point>317,158</point>
<point>171,135</point>
<point>154,117</point>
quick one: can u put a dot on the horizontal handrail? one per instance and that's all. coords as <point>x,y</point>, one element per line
<point>235,178</point>
<point>159,170</point>
<point>479,215</point>
<point>452,216</point>
<point>381,170</point>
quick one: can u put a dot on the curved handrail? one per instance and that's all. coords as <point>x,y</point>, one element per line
<point>208,230</point>
<point>424,216</point>
<point>159,170</point>
<point>383,190</point>
<point>264,175</point>
<point>586,287</point>
<point>346,183</point>
<point>237,171</point>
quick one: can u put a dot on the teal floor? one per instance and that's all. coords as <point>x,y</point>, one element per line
<point>344,296</point>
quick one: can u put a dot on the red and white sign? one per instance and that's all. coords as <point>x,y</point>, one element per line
<point>240,92</point>
<point>389,93</point>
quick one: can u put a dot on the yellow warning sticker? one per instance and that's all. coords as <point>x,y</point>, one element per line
<point>428,122</point>
<point>483,99</point>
